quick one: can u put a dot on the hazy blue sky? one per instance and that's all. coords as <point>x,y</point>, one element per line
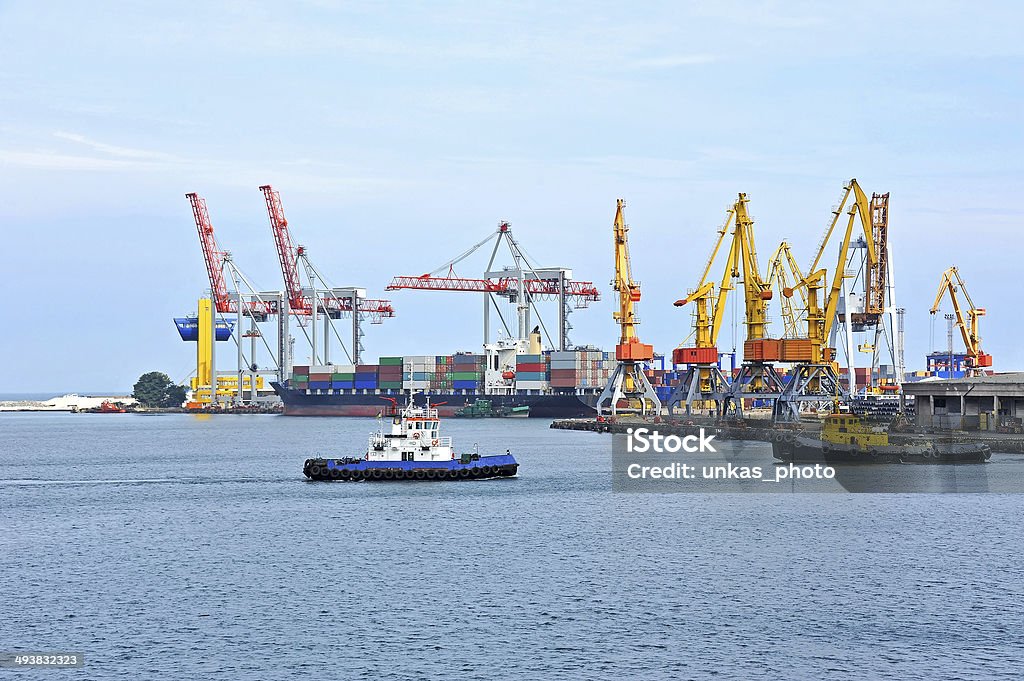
<point>398,134</point>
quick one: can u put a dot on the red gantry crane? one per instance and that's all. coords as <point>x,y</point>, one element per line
<point>521,284</point>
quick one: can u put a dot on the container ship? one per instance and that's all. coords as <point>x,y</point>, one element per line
<point>553,384</point>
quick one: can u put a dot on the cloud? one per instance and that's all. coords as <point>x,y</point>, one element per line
<point>46,160</point>
<point>110,149</point>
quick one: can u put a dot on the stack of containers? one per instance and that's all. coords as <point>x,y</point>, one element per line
<point>417,372</point>
<point>389,375</point>
<point>532,372</point>
<point>442,379</point>
<point>300,377</point>
<point>343,377</point>
<point>366,377</point>
<point>467,372</point>
<point>563,369</point>
<point>581,368</point>
<point>320,378</point>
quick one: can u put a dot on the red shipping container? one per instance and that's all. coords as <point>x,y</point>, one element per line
<point>537,367</point>
<point>563,374</point>
<point>320,377</point>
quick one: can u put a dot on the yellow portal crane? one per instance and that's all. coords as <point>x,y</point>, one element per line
<point>782,259</point>
<point>704,381</point>
<point>951,283</point>
<point>819,326</point>
<point>709,309</point>
<point>628,382</point>
<point>704,385</point>
<point>629,346</point>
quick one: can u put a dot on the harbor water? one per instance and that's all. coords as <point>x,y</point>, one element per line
<point>176,546</point>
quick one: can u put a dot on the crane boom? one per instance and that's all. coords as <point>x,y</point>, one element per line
<point>584,290</point>
<point>212,255</point>
<point>951,283</point>
<point>215,259</point>
<point>756,292</point>
<point>286,254</point>
<point>777,276</point>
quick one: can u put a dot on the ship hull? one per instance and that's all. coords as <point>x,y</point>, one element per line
<point>355,470</point>
<point>811,450</point>
<point>342,403</point>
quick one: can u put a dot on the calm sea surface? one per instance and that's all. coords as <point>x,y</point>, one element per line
<point>179,547</point>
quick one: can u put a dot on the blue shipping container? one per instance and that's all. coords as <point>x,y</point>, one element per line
<point>345,385</point>
<point>531,376</point>
<point>319,385</point>
<point>529,359</point>
<point>465,385</point>
<point>365,385</point>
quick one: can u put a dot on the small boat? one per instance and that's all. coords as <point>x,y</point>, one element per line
<point>486,409</point>
<point>411,450</point>
<point>847,439</point>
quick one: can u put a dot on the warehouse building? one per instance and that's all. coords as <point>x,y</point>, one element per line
<point>979,403</point>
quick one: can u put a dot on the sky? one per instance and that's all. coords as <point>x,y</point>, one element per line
<point>399,134</point>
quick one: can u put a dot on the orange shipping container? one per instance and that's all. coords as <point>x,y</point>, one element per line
<point>762,350</point>
<point>695,356</point>
<point>796,350</point>
<point>634,351</point>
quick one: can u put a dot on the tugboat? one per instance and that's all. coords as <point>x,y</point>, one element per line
<point>847,439</point>
<point>412,450</point>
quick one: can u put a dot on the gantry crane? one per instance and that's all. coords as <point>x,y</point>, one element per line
<point>522,284</point>
<point>319,299</point>
<point>951,283</point>
<point>628,382</point>
<point>245,302</point>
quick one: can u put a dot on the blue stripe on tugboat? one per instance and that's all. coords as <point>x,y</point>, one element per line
<point>412,450</point>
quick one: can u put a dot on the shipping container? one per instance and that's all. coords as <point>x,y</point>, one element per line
<point>695,356</point>
<point>390,385</point>
<point>320,385</point>
<point>762,350</point>
<point>300,369</point>
<point>391,361</point>
<point>530,376</point>
<point>342,385</point>
<point>531,366</point>
<point>796,350</point>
